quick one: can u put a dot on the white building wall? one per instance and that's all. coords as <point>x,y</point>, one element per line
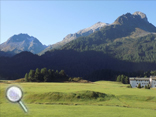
<point>144,83</point>
<point>153,83</point>
<point>135,82</point>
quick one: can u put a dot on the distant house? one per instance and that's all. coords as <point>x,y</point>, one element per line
<point>143,81</point>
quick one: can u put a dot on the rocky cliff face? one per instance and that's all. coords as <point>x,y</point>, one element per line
<point>135,20</point>
<point>141,15</point>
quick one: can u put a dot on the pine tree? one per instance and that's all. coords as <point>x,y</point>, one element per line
<point>26,77</point>
<point>126,80</point>
<point>118,79</point>
<point>46,78</point>
<point>139,85</point>
<point>52,75</point>
<point>31,75</point>
<point>148,87</point>
<point>57,72</point>
<point>123,79</point>
<point>44,71</point>
<point>56,75</point>
<point>63,75</point>
<point>38,76</point>
<point>145,87</point>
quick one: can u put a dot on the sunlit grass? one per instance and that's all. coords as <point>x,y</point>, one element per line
<point>61,100</point>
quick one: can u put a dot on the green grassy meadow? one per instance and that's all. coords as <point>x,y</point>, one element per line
<point>97,99</point>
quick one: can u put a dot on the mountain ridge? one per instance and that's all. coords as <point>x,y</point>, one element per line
<point>83,32</point>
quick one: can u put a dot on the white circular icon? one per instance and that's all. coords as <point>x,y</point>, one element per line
<point>14,94</point>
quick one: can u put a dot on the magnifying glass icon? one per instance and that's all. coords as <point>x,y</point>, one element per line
<point>14,94</point>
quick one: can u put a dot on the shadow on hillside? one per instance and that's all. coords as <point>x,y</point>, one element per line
<point>74,63</point>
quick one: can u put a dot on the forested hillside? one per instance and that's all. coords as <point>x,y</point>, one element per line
<point>140,49</point>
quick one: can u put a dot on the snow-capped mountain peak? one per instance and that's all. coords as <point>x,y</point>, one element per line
<point>93,28</point>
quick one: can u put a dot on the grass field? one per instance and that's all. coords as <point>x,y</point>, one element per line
<point>97,99</point>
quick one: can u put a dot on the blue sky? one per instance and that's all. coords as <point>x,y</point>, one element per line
<point>51,21</point>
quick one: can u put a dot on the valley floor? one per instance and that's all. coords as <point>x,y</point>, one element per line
<point>44,99</point>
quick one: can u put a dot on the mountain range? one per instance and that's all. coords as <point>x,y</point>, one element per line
<point>24,42</point>
<point>128,44</point>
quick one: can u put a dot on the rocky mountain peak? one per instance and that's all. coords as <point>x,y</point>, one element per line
<point>93,28</point>
<point>22,42</point>
<point>85,32</point>
<point>131,18</point>
<point>141,15</point>
<point>19,38</point>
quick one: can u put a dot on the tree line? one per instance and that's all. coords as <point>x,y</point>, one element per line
<point>140,49</point>
<point>122,78</point>
<point>45,75</point>
<point>125,79</point>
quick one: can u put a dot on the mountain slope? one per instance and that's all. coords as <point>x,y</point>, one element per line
<point>75,64</point>
<point>125,39</point>
<point>70,37</point>
<point>22,42</point>
<point>9,54</point>
<point>133,25</point>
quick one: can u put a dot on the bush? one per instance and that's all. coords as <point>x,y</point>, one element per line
<point>145,87</point>
<point>129,86</point>
<point>76,79</point>
<point>20,80</point>
<point>148,87</point>
<point>139,85</point>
